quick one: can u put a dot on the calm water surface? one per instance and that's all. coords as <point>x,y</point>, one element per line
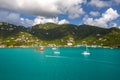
<point>70,64</point>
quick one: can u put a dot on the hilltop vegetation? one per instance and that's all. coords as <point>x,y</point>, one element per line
<point>49,33</point>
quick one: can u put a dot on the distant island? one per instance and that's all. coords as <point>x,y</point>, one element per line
<point>50,35</point>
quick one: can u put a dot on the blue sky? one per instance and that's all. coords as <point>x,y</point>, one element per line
<point>102,13</point>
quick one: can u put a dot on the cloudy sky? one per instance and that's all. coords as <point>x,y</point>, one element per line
<point>103,13</point>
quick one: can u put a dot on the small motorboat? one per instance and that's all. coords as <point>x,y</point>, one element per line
<point>41,48</point>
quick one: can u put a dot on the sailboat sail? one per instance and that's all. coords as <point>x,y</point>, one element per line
<point>86,52</point>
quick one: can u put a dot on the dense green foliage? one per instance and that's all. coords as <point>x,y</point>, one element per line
<point>45,34</point>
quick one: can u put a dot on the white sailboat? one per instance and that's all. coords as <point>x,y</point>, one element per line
<point>56,51</point>
<point>54,48</point>
<point>86,52</point>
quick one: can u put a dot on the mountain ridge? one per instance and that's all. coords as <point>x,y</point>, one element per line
<point>50,33</point>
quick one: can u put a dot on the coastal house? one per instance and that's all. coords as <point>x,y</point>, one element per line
<point>69,44</point>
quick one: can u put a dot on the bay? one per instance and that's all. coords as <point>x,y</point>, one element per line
<point>70,64</point>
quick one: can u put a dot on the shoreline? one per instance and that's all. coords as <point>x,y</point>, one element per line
<point>93,46</point>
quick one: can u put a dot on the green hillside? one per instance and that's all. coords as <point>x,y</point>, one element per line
<point>49,33</point>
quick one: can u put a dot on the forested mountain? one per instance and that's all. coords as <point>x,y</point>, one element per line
<point>49,33</point>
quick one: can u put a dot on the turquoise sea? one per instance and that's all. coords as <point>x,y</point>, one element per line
<point>70,64</point>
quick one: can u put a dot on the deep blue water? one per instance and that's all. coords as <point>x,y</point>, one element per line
<point>70,64</point>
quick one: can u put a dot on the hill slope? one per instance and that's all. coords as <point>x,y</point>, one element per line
<point>50,33</point>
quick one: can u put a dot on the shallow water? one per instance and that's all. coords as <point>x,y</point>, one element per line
<point>70,64</point>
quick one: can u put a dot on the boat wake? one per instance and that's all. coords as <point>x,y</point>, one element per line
<point>83,60</point>
<point>50,56</point>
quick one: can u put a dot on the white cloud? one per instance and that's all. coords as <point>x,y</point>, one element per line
<point>47,8</point>
<point>104,3</point>
<point>64,21</point>
<point>74,12</point>
<point>11,17</point>
<point>26,22</point>
<point>104,20</point>
<point>112,24</point>
<point>100,3</point>
<point>94,13</point>
<point>15,18</point>
<point>117,1</point>
<point>43,20</point>
<point>109,15</point>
